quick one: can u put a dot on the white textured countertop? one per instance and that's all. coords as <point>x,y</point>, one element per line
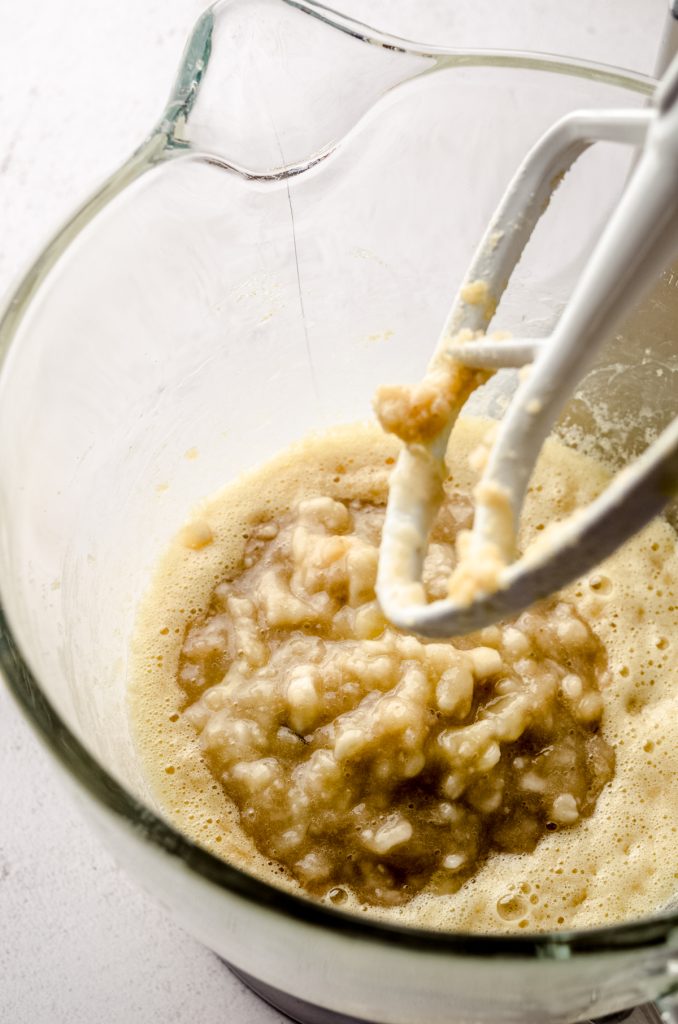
<point>80,83</point>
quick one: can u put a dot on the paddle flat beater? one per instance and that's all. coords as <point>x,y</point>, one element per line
<point>638,242</point>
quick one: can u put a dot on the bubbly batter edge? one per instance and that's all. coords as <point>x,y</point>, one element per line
<point>617,865</point>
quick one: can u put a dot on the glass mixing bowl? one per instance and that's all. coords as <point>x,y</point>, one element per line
<point>288,237</point>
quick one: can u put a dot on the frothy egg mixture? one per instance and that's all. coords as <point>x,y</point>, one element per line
<point>520,778</point>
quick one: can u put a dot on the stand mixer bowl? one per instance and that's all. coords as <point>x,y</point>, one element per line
<point>287,238</point>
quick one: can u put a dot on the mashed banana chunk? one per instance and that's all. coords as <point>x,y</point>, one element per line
<point>361,757</point>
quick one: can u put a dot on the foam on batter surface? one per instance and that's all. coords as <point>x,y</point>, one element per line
<point>616,864</point>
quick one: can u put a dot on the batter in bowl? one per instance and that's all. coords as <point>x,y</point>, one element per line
<point>509,780</point>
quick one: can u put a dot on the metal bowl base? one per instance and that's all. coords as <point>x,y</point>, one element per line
<point>296,1009</point>
<point>307,1013</point>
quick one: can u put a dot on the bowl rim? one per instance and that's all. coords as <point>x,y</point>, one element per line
<point>67,749</point>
